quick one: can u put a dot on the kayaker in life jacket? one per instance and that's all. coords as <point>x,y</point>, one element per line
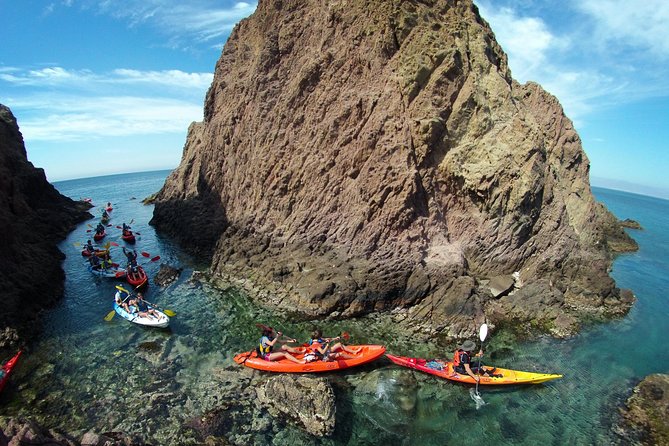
<point>89,247</point>
<point>132,258</point>
<point>462,361</point>
<point>266,344</point>
<point>122,301</point>
<point>99,229</point>
<point>95,262</point>
<point>144,309</point>
<point>126,229</point>
<point>320,348</point>
<point>336,347</point>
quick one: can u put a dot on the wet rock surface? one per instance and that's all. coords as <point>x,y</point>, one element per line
<point>645,417</point>
<point>422,171</point>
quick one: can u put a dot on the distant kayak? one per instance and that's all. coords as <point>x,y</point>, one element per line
<point>137,279</point>
<point>109,273</point>
<point>97,237</point>
<point>6,369</point>
<point>445,370</point>
<point>161,321</point>
<point>368,354</point>
<point>128,237</point>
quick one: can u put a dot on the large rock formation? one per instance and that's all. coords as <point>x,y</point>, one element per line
<point>367,154</point>
<point>34,217</point>
<point>644,419</point>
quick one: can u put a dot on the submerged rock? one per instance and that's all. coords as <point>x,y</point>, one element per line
<point>645,417</point>
<point>166,275</point>
<point>308,401</point>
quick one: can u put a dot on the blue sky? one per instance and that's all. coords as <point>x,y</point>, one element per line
<point>110,86</point>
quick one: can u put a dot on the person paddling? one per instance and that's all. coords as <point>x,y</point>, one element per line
<point>267,342</point>
<point>462,361</point>
<point>100,229</point>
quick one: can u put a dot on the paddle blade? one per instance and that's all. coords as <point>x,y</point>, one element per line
<point>155,258</point>
<point>477,398</point>
<point>88,230</point>
<point>113,243</point>
<point>483,332</point>
<point>119,287</point>
<point>170,313</point>
<point>145,254</point>
<point>118,227</point>
<point>76,244</point>
<point>110,315</point>
<point>137,233</point>
<point>119,274</point>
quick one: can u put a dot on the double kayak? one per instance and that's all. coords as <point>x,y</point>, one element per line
<point>111,273</point>
<point>98,252</point>
<point>97,237</point>
<point>368,354</point>
<point>137,278</point>
<point>146,320</point>
<point>445,370</point>
<point>6,369</point>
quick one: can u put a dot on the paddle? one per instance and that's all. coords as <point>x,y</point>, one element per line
<point>483,333</point>
<point>111,314</point>
<point>167,311</point>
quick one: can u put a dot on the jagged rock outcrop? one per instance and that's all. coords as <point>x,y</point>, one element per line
<point>34,217</point>
<point>362,155</point>
<point>644,419</point>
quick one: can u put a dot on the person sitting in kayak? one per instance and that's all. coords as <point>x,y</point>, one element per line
<point>89,247</point>
<point>317,335</point>
<point>105,215</point>
<point>132,259</point>
<point>320,348</point>
<point>106,260</point>
<point>100,229</point>
<point>126,229</point>
<point>462,361</point>
<point>95,262</point>
<point>122,301</point>
<point>143,307</point>
<point>266,344</point>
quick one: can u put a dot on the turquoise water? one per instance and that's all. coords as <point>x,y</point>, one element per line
<point>84,372</point>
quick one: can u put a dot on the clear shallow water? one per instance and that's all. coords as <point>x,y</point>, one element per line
<point>84,372</point>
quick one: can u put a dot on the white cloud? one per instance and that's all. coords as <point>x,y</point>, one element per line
<point>643,24</point>
<point>71,118</point>
<point>53,76</point>
<point>201,20</point>
<point>526,39</point>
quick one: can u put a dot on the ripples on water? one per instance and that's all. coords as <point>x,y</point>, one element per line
<point>84,372</point>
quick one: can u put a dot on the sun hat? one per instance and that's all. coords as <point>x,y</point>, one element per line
<point>468,345</point>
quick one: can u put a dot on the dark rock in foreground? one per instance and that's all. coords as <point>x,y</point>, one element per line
<point>645,418</point>
<point>34,217</point>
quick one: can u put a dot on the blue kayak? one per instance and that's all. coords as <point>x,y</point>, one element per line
<point>161,321</point>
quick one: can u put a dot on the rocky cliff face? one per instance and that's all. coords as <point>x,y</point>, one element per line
<point>33,218</point>
<point>372,154</point>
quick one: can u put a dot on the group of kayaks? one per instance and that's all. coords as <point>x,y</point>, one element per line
<point>369,353</point>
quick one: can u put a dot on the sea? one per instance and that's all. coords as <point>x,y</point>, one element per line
<point>87,373</point>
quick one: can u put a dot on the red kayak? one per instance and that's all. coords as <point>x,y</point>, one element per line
<point>137,279</point>
<point>6,369</point>
<point>128,237</point>
<point>98,237</point>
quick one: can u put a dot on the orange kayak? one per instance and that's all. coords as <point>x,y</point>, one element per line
<point>445,370</point>
<point>368,354</point>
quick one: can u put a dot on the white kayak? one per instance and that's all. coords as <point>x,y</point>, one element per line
<point>161,321</point>
<point>112,273</point>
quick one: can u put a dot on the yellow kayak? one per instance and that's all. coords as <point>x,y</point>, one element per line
<point>445,370</point>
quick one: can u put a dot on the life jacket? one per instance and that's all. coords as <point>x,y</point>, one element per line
<point>457,358</point>
<point>263,350</point>
<point>314,345</point>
